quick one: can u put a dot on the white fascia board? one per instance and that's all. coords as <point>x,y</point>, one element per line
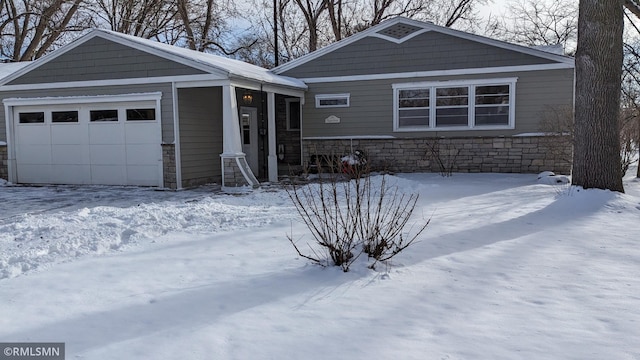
<point>465,82</point>
<point>201,83</point>
<point>111,82</point>
<point>90,99</point>
<point>266,87</point>
<point>434,73</point>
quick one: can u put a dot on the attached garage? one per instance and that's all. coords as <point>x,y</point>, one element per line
<point>88,140</point>
<point>114,109</point>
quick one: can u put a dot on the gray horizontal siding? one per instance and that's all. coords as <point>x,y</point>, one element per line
<point>200,111</point>
<point>101,59</point>
<point>166,104</point>
<point>426,52</point>
<point>371,109</point>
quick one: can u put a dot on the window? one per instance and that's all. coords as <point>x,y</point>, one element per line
<point>141,114</point>
<point>31,117</point>
<point>103,115</point>
<point>64,116</point>
<point>332,100</point>
<point>293,114</point>
<point>452,106</point>
<point>471,104</point>
<point>492,105</point>
<point>413,107</point>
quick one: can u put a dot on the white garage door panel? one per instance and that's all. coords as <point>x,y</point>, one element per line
<point>142,154</point>
<point>143,175</point>
<point>107,134</point>
<point>33,134</point>
<point>69,155</point>
<point>138,133</point>
<point>35,174</point>
<point>107,154</point>
<point>110,175</point>
<point>102,152</point>
<point>69,134</point>
<point>35,154</point>
<point>70,174</point>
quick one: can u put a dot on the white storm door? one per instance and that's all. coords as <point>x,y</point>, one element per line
<point>249,136</point>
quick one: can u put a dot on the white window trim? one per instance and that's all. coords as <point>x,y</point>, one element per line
<point>288,101</point>
<point>332,96</point>
<point>471,83</point>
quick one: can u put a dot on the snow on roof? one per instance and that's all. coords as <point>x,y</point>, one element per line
<point>234,68</point>
<point>7,69</point>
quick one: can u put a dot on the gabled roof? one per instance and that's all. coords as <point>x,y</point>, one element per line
<point>210,63</point>
<point>401,29</point>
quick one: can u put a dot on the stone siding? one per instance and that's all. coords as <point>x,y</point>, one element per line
<point>497,155</point>
<point>169,166</point>
<point>232,174</point>
<point>4,163</point>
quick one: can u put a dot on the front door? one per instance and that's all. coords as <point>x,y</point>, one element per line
<point>249,135</point>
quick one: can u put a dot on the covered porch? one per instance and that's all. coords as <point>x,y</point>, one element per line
<point>237,133</point>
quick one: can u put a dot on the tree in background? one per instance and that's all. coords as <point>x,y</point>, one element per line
<point>596,159</point>
<point>149,19</point>
<point>30,28</point>
<point>306,25</point>
<point>535,23</point>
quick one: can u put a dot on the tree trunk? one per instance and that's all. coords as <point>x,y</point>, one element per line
<point>596,159</point>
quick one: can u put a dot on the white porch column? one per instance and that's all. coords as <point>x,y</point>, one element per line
<point>235,170</point>
<point>231,142</point>
<point>271,126</point>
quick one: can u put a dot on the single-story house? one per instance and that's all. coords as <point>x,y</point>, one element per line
<point>410,94</point>
<point>110,108</point>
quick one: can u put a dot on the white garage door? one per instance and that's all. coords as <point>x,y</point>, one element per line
<point>105,144</point>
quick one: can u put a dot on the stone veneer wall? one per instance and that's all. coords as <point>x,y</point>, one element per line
<point>532,154</point>
<point>169,166</point>
<point>4,163</point>
<point>232,174</point>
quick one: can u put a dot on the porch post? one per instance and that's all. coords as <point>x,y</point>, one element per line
<point>235,170</point>
<point>273,157</point>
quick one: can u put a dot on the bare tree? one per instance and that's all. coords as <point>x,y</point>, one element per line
<point>599,57</point>
<point>150,19</point>
<point>31,28</point>
<point>533,22</point>
<point>312,10</point>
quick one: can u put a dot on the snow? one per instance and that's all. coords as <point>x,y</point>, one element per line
<point>231,66</point>
<point>507,269</point>
<point>7,69</point>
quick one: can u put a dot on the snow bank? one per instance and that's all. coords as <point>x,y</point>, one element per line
<point>550,178</point>
<point>30,241</point>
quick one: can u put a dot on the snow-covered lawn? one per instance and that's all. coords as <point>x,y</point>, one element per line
<point>509,268</point>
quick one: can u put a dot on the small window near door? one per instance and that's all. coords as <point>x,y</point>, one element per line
<point>103,115</point>
<point>245,120</point>
<point>141,114</point>
<point>31,117</point>
<point>64,116</point>
<point>293,114</point>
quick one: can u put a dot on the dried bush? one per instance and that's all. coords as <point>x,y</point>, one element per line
<point>352,214</point>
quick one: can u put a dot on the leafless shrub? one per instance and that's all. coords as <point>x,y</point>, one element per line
<point>445,156</point>
<point>350,217</point>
